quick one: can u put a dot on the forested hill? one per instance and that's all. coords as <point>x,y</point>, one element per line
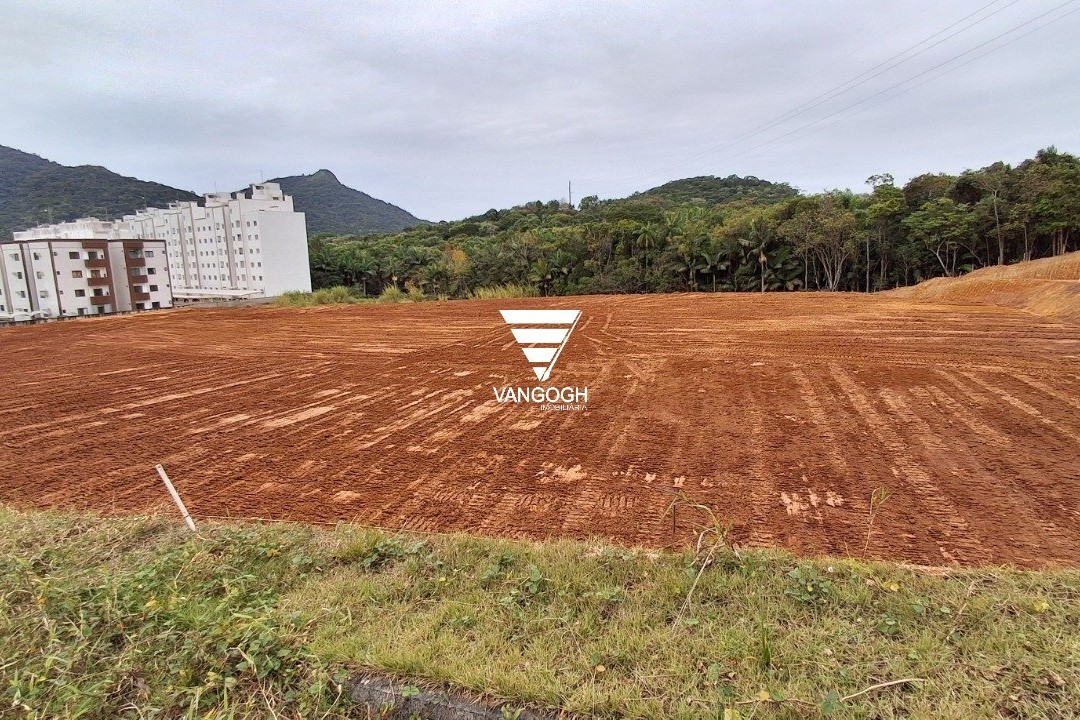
<point>34,190</point>
<point>711,190</point>
<point>713,234</point>
<point>334,208</point>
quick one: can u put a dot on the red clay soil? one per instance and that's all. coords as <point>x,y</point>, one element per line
<point>1049,287</point>
<point>781,412</point>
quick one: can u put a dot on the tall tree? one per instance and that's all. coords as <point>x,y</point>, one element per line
<point>943,225</point>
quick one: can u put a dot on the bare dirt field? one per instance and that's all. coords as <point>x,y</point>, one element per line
<point>781,412</point>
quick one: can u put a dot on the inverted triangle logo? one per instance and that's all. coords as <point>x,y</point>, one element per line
<point>542,335</point>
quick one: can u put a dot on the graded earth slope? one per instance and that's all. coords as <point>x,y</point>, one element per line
<point>1049,287</point>
<point>783,413</point>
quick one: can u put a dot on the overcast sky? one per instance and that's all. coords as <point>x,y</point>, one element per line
<point>448,109</point>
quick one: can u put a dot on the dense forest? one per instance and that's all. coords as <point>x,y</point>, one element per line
<point>712,234</point>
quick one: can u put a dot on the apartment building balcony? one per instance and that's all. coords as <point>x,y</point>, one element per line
<point>136,262</point>
<point>140,296</point>
<point>97,281</point>
<point>100,299</point>
<point>98,263</point>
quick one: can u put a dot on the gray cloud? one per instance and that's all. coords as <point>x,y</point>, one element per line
<point>448,109</point>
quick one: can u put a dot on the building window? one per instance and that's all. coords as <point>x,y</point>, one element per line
<point>153,288</point>
<point>40,275</point>
<point>37,256</point>
<point>76,273</point>
<point>73,255</point>
<point>80,293</point>
<point>151,271</point>
<point>18,276</point>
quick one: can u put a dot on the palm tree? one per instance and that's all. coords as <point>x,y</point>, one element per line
<point>540,273</point>
<point>710,261</point>
<point>760,235</point>
<point>647,236</point>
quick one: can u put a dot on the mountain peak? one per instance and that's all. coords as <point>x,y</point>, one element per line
<point>332,207</point>
<point>325,175</point>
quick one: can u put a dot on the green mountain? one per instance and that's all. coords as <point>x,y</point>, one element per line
<point>710,190</point>
<point>34,190</point>
<point>334,208</point>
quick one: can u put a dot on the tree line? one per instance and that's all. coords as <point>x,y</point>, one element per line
<point>760,236</point>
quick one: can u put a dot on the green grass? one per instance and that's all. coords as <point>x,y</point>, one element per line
<point>338,295</point>
<point>393,295</point>
<point>102,616</point>
<point>503,292</point>
<point>134,618</point>
<point>341,295</point>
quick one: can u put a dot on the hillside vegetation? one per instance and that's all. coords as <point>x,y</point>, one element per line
<point>34,191</point>
<point>711,190</point>
<point>717,234</point>
<point>331,207</point>
<point>136,617</point>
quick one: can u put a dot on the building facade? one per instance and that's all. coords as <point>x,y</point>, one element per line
<point>229,245</point>
<point>85,276</point>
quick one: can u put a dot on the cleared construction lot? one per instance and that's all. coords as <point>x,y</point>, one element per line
<point>781,412</point>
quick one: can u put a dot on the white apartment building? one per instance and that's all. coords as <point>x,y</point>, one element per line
<point>245,244</point>
<point>74,277</point>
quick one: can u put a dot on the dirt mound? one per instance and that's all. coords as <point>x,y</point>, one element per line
<point>780,412</point>
<point>1049,287</point>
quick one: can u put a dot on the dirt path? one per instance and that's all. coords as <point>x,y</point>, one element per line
<point>783,413</point>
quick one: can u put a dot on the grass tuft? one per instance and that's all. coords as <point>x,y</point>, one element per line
<point>504,292</point>
<point>338,295</point>
<point>130,617</point>
<point>393,294</point>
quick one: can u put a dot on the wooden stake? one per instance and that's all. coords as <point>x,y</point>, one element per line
<point>175,497</point>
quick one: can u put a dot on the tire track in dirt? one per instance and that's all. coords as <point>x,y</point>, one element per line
<point>955,538</point>
<point>762,408</point>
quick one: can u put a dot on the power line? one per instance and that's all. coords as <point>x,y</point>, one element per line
<point>845,87</point>
<point>924,82</point>
<point>882,67</point>
<point>921,74</point>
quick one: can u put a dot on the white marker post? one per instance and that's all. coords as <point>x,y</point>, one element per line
<point>175,497</point>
